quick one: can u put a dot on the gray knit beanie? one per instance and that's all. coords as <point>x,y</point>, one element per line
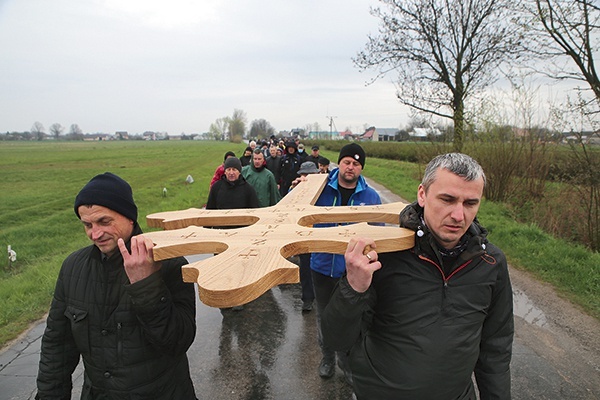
<point>233,162</point>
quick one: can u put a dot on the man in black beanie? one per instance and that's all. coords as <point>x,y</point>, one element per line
<point>246,158</point>
<point>345,187</point>
<point>354,151</point>
<point>130,318</point>
<point>221,169</point>
<point>232,190</point>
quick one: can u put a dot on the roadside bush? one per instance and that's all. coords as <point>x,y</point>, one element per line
<point>399,151</point>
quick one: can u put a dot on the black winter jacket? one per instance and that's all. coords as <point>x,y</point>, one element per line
<point>274,165</point>
<point>288,171</point>
<point>419,332</point>
<point>225,195</point>
<point>133,337</point>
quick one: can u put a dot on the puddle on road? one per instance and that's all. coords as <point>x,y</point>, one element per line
<point>524,308</point>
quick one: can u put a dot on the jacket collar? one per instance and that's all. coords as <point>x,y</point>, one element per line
<point>237,182</point>
<point>425,244</point>
<point>361,184</point>
<point>261,169</point>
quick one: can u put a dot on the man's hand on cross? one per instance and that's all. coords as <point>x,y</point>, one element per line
<point>361,263</point>
<point>140,263</point>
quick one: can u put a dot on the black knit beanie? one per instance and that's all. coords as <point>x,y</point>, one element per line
<point>110,191</point>
<point>355,151</point>
<point>233,162</point>
<point>228,154</point>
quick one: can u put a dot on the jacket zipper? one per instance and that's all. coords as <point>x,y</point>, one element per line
<point>119,342</point>
<point>441,271</point>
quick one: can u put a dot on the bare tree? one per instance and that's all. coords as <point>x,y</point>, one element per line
<point>37,130</point>
<point>219,128</point>
<point>308,128</point>
<point>75,132</point>
<point>237,125</point>
<point>567,29</point>
<point>443,51</point>
<point>56,130</point>
<point>261,128</point>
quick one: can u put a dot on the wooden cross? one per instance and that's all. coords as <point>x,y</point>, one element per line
<point>252,259</point>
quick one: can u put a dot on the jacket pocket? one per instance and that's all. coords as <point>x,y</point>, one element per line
<point>129,339</point>
<point>79,328</point>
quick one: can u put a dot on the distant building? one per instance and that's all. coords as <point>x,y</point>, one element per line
<point>96,137</point>
<point>380,134</point>
<point>587,137</point>
<point>347,134</point>
<point>424,133</point>
<point>324,135</point>
<point>121,135</point>
<point>148,135</point>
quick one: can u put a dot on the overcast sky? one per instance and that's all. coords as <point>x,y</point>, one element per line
<point>178,65</point>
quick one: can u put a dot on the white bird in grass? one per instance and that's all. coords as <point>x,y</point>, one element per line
<point>12,255</point>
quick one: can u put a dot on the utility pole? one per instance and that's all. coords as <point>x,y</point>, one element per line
<point>331,125</point>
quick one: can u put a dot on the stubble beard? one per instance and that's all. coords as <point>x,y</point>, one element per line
<point>350,183</point>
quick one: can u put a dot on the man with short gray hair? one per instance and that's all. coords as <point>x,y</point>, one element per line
<point>419,323</point>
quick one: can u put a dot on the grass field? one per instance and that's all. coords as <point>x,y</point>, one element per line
<point>40,180</point>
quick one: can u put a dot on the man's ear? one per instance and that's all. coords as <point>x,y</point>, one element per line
<point>421,195</point>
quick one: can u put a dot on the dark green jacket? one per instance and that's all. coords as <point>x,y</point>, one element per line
<point>263,182</point>
<point>420,332</point>
<point>133,337</point>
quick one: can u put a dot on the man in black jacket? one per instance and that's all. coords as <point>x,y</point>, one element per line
<point>274,164</point>
<point>232,191</point>
<point>418,323</point>
<point>130,318</point>
<point>288,169</point>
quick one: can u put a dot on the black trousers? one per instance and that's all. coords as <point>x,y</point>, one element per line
<point>308,292</point>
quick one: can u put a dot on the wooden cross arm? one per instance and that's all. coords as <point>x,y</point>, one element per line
<point>200,217</point>
<point>248,265</point>
<point>251,259</point>
<point>277,215</point>
<point>184,242</point>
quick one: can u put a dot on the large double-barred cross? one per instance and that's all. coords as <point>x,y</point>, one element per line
<point>250,260</point>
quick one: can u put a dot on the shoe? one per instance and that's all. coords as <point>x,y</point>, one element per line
<point>326,368</point>
<point>307,306</point>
